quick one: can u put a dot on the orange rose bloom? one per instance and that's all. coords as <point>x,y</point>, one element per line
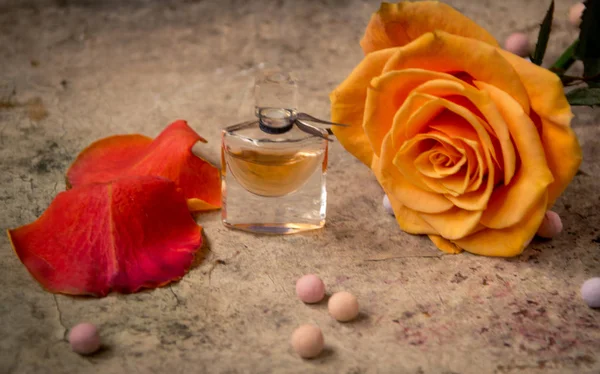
<point>471,143</point>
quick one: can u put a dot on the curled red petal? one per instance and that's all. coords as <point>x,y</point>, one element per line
<point>169,155</point>
<point>133,233</point>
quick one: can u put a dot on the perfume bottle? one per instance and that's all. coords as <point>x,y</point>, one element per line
<point>273,168</point>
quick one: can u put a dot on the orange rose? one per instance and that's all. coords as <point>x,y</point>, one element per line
<point>471,143</point>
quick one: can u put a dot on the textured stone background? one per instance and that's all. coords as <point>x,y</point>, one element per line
<point>75,71</point>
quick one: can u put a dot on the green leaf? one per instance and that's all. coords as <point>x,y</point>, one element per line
<point>588,96</point>
<point>589,34</point>
<point>543,36</point>
<point>588,48</point>
<point>565,60</point>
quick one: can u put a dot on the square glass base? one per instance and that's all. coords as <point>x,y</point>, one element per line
<point>301,210</point>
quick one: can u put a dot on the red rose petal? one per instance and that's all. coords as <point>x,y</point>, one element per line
<point>169,156</point>
<point>125,235</point>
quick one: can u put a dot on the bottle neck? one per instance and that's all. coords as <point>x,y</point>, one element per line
<point>275,120</point>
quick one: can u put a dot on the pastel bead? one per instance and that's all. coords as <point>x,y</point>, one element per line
<point>387,205</point>
<point>551,225</point>
<point>310,289</point>
<point>590,292</point>
<point>575,13</point>
<point>84,338</point>
<point>307,341</point>
<point>517,43</point>
<point>343,306</point>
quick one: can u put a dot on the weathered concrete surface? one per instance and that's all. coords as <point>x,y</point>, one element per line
<point>74,73</point>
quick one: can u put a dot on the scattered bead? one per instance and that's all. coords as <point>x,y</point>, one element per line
<point>575,13</point>
<point>307,341</point>
<point>590,292</point>
<point>310,289</point>
<point>551,225</point>
<point>387,205</point>
<point>84,338</point>
<point>517,43</point>
<point>343,306</point>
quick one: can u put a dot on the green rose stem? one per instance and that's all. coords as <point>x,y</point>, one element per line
<point>564,62</point>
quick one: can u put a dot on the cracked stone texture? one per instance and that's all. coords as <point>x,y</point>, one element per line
<point>76,71</point>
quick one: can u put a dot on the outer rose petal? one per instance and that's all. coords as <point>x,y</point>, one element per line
<point>506,242</point>
<point>132,233</point>
<point>445,245</point>
<point>395,25</point>
<point>510,203</point>
<point>548,100</point>
<point>348,105</point>
<point>443,52</point>
<point>169,155</point>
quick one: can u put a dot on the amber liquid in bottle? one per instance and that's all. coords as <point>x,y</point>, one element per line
<point>271,174</point>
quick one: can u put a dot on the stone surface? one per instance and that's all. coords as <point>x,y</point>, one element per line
<point>75,71</point>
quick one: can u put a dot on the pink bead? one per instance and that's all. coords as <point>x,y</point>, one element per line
<point>517,43</point>
<point>551,225</point>
<point>575,13</point>
<point>310,289</point>
<point>84,339</point>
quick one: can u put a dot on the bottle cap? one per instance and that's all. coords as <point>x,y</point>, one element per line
<point>275,97</point>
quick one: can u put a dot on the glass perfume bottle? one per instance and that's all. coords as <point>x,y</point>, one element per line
<point>273,168</point>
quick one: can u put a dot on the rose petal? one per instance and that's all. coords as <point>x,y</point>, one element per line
<point>169,155</point>
<point>445,245</point>
<point>398,24</point>
<point>461,128</point>
<point>407,161</point>
<point>455,223</point>
<point>443,52</point>
<point>132,233</point>
<point>544,88</point>
<point>495,125</point>
<point>507,242</point>
<point>389,178</point>
<point>510,203</point>
<point>443,160</point>
<point>387,94</point>
<point>348,105</point>
<point>562,149</point>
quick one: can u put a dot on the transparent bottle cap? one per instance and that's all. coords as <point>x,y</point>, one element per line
<point>274,88</point>
<point>275,95</point>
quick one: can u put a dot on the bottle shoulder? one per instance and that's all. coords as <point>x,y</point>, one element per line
<point>251,132</point>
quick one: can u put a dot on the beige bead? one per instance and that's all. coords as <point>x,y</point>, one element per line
<point>343,306</point>
<point>307,341</point>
